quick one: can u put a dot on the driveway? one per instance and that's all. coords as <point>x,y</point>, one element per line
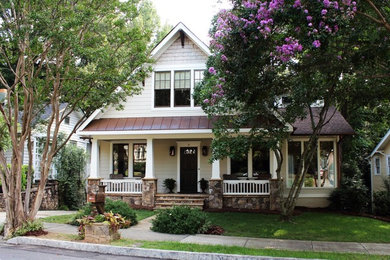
<point>42,214</point>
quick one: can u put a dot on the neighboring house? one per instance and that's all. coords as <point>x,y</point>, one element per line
<point>38,136</point>
<point>162,133</point>
<point>380,163</point>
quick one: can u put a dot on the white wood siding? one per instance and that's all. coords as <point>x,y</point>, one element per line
<point>174,58</point>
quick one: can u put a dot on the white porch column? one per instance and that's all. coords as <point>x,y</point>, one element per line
<point>273,164</point>
<point>216,170</point>
<point>94,159</point>
<point>250,164</point>
<point>149,174</point>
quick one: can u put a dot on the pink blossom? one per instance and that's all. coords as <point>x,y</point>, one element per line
<point>223,57</point>
<point>212,71</point>
<point>326,3</point>
<point>324,12</point>
<point>317,43</point>
<point>309,18</point>
<point>206,101</point>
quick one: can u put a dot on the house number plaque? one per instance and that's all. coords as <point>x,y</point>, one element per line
<point>190,151</point>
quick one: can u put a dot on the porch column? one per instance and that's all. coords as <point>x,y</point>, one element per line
<point>94,173</point>
<point>149,183</point>
<point>215,187</point>
<point>149,174</point>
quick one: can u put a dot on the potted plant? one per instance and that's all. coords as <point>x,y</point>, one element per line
<point>204,184</point>
<point>170,184</point>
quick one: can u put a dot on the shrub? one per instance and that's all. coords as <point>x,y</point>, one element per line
<point>382,199</point>
<point>215,230</point>
<point>352,195</point>
<point>122,208</point>
<point>84,211</point>
<point>70,164</point>
<point>23,177</point>
<point>180,220</point>
<point>29,227</point>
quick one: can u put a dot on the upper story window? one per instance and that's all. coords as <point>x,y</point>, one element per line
<point>162,89</point>
<point>174,88</point>
<point>67,120</point>
<point>182,86</point>
<point>388,164</point>
<point>198,77</point>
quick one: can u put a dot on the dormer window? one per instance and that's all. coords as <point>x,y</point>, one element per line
<point>182,88</point>
<point>162,89</point>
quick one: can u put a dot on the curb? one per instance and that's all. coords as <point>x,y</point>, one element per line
<point>136,252</point>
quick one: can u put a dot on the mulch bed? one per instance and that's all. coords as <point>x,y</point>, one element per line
<point>36,233</point>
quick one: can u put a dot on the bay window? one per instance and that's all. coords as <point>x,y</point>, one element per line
<point>198,77</point>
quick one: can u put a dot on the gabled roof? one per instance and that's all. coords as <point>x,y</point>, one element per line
<point>382,143</point>
<point>173,35</point>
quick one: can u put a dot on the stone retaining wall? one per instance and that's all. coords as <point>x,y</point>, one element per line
<point>131,199</point>
<point>49,201</point>
<point>246,202</point>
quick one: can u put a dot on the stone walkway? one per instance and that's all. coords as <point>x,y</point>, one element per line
<point>142,232</point>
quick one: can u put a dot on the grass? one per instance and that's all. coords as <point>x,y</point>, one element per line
<point>65,219</point>
<point>242,250</point>
<point>307,226</point>
<point>60,219</point>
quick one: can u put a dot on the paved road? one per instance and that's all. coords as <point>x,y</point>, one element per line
<point>21,252</point>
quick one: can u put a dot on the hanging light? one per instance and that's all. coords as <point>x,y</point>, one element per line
<point>3,94</point>
<point>204,151</point>
<point>172,151</point>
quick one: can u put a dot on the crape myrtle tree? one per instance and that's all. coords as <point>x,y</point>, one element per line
<point>85,54</point>
<point>266,49</point>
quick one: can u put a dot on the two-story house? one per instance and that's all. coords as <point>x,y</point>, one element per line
<point>162,133</point>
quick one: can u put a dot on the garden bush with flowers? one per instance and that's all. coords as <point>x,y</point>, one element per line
<point>265,49</point>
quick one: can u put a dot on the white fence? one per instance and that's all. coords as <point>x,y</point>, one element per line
<point>246,187</point>
<point>123,186</point>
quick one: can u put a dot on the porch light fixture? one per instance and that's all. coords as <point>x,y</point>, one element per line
<point>204,151</point>
<point>172,151</point>
<point>3,94</point>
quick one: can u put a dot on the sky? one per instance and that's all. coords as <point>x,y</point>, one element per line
<point>195,14</point>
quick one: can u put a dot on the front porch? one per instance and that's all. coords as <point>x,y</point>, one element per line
<point>134,169</point>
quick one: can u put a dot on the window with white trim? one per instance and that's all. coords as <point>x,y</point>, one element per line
<point>388,164</point>
<point>322,169</point>
<point>162,89</point>
<point>377,165</point>
<point>182,87</point>
<point>139,160</point>
<point>198,77</point>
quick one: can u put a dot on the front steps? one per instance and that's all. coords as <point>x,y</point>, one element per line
<point>164,201</point>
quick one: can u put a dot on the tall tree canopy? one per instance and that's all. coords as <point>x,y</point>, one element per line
<point>86,54</point>
<point>306,50</point>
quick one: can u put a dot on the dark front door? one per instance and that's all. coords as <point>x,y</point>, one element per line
<point>188,169</point>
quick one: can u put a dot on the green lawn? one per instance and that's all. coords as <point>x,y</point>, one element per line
<point>243,251</point>
<point>307,226</point>
<point>64,219</point>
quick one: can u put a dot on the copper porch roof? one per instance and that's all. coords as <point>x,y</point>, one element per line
<point>336,126</point>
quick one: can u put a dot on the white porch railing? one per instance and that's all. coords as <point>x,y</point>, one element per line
<point>246,187</point>
<point>123,186</point>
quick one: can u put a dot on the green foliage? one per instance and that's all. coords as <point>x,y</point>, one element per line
<point>28,227</point>
<point>169,184</point>
<point>70,165</point>
<point>115,221</point>
<point>5,140</point>
<point>352,195</point>
<point>23,177</point>
<point>382,199</point>
<point>180,220</point>
<point>122,208</point>
<point>84,211</point>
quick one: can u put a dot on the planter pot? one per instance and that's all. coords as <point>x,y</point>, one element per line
<point>100,233</point>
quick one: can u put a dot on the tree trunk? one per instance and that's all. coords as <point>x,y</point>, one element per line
<point>29,177</point>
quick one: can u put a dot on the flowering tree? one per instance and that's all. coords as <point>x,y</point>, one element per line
<point>266,49</point>
<point>84,54</point>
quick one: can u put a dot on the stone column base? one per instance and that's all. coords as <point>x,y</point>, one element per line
<point>215,194</point>
<point>149,191</point>
<point>274,199</point>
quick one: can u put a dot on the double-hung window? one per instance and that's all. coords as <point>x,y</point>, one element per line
<point>162,89</point>
<point>377,165</point>
<point>182,88</point>
<point>198,77</point>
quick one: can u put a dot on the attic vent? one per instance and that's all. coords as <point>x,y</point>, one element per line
<point>182,37</point>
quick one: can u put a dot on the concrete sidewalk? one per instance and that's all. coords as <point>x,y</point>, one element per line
<point>142,232</point>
